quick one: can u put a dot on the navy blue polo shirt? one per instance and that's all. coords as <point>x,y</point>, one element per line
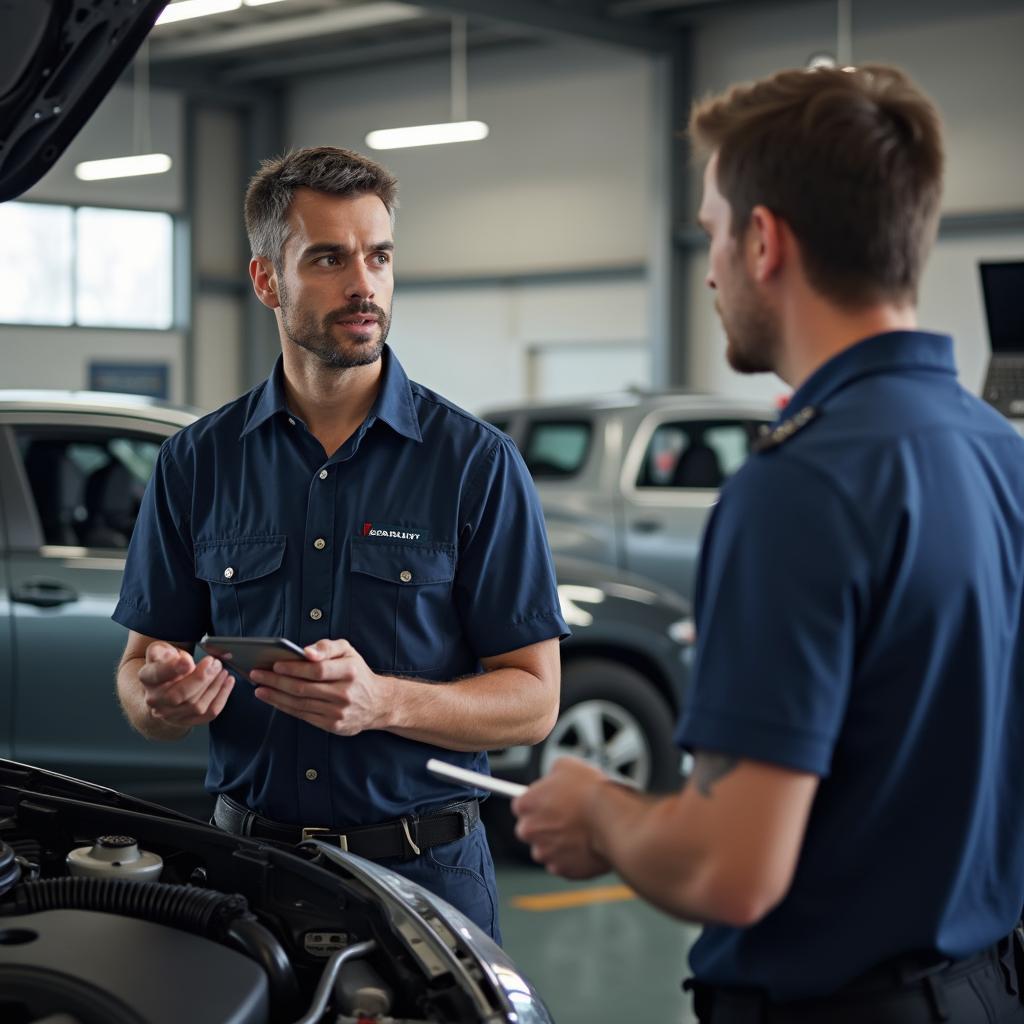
<point>859,618</point>
<point>421,541</point>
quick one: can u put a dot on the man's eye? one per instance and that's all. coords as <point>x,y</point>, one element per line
<point>383,258</point>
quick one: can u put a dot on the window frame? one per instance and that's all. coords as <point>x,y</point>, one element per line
<point>174,266</point>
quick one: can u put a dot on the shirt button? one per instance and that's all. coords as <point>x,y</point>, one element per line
<point>311,774</point>
<point>319,543</point>
<point>323,474</point>
<point>228,573</point>
<point>316,615</point>
<point>405,576</point>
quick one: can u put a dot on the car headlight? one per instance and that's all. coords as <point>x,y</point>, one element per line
<point>683,632</point>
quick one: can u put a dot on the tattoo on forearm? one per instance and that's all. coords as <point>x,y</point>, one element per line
<point>709,769</point>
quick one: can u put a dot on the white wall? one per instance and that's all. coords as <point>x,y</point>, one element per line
<point>55,357</point>
<point>968,58</point>
<point>59,357</point>
<point>562,183</point>
<point>473,344</point>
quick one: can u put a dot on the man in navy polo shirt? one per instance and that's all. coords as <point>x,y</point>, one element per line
<point>394,536</point>
<point>853,830</point>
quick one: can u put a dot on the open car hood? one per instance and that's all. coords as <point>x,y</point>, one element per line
<point>58,59</point>
<point>264,933</point>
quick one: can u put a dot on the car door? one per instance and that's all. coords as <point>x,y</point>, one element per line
<point>671,478</point>
<point>72,484</point>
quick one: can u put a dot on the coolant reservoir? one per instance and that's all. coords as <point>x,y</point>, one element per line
<point>115,857</point>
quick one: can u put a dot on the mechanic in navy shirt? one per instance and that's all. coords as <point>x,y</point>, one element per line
<point>393,535</point>
<point>852,832</point>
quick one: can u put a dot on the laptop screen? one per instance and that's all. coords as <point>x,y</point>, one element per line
<point>1003,287</point>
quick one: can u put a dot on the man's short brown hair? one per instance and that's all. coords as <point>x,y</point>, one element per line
<point>851,159</point>
<point>338,172</point>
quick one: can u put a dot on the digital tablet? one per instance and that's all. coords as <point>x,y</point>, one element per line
<point>244,653</point>
<point>452,771</point>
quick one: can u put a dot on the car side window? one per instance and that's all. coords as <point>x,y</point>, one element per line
<point>556,448</point>
<point>87,485</point>
<point>695,454</point>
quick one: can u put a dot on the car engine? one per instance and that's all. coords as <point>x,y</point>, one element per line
<point>116,911</point>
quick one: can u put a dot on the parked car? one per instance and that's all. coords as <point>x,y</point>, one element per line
<point>628,479</point>
<point>73,467</point>
<point>114,911</point>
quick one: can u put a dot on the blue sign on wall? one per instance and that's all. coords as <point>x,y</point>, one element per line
<point>149,379</point>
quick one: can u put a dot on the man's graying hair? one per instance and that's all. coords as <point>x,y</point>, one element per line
<point>337,172</point>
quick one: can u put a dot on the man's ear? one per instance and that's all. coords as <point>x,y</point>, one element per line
<point>264,281</point>
<point>765,244</point>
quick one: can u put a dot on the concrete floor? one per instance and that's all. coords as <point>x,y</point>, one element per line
<point>604,961</point>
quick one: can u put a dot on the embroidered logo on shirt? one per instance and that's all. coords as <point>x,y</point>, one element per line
<point>391,532</point>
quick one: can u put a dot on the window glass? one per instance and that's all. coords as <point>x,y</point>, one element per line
<point>87,486</point>
<point>35,264</point>
<point>123,268</point>
<point>698,454</point>
<point>555,449</point>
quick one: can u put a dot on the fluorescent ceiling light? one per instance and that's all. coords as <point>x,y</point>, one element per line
<point>427,135</point>
<point>260,3</point>
<point>184,9</point>
<point>123,167</point>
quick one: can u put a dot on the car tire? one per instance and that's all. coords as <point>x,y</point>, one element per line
<point>614,717</point>
<point>599,694</point>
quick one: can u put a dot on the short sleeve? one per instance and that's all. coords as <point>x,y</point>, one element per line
<point>784,580</point>
<point>160,594</point>
<point>505,587</point>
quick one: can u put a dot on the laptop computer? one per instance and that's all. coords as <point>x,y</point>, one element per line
<point>1002,285</point>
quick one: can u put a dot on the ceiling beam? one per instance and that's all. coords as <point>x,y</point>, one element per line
<point>280,30</point>
<point>546,17</point>
<point>433,44</point>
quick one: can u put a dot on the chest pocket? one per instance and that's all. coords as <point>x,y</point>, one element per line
<point>246,584</point>
<point>401,613</point>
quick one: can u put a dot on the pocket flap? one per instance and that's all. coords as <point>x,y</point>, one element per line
<point>239,559</point>
<point>407,564</point>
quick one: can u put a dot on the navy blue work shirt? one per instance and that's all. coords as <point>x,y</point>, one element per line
<point>859,618</point>
<point>421,541</point>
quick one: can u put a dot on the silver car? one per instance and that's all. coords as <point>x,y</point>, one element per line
<point>628,480</point>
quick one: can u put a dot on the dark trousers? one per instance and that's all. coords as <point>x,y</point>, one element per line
<point>462,873</point>
<point>983,989</point>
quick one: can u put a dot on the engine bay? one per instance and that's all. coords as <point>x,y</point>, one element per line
<point>116,911</point>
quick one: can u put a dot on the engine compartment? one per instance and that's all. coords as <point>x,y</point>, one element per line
<point>234,931</point>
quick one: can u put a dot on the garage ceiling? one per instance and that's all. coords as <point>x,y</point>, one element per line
<point>259,44</point>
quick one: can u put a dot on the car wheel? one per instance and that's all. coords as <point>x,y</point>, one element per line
<point>613,717</point>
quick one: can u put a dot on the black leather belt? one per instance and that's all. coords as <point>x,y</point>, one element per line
<point>404,837</point>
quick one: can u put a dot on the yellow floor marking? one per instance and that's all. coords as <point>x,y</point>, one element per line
<point>574,898</point>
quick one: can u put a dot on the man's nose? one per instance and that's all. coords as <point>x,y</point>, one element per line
<point>359,284</point>
<point>710,281</point>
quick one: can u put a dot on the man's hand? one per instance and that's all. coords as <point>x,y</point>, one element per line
<point>554,818</point>
<point>180,692</point>
<point>336,691</point>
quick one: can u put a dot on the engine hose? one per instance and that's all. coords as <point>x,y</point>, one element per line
<point>258,942</point>
<point>222,917</point>
<point>200,911</point>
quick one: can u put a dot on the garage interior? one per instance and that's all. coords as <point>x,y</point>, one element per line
<point>558,258</point>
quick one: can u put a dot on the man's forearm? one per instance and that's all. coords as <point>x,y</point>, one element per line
<point>501,708</point>
<point>640,836</point>
<point>131,694</point>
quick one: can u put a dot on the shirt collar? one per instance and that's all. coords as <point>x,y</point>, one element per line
<point>881,353</point>
<point>393,405</point>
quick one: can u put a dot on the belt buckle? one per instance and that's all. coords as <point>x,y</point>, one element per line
<point>312,831</point>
